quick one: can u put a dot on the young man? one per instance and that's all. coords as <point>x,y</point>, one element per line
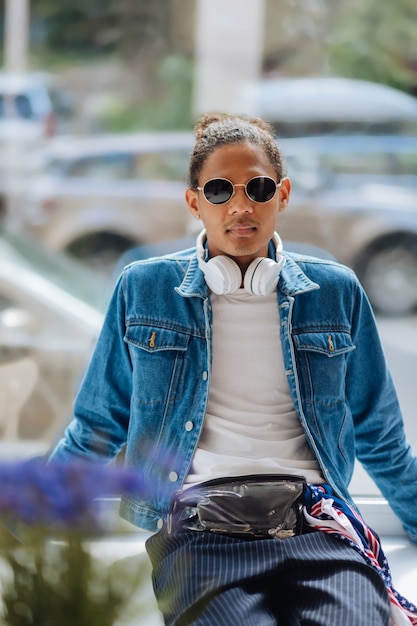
<point>243,381</point>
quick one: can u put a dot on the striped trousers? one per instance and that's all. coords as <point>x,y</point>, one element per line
<point>206,579</point>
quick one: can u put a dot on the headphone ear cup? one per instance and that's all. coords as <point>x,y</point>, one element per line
<point>262,275</point>
<point>222,274</point>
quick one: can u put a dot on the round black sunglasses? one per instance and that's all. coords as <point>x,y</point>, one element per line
<point>258,189</point>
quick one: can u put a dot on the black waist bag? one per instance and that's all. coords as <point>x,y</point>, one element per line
<point>254,506</point>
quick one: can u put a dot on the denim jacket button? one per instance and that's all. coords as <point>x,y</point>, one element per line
<point>173,477</point>
<point>160,523</point>
<point>189,426</point>
<point>205,375</point>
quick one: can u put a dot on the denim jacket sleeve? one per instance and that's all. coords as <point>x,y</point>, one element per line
<point>102,406</point>
<point>344,391</point>
<point>381,443</point>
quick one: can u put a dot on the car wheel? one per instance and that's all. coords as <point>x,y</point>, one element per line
<point>389,276</point>
<point>100,251</point>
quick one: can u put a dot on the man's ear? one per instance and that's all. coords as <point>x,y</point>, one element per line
<point>191,198</point>
<point>284,193</point>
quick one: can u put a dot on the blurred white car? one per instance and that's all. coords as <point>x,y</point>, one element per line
<point>26,107</point>
<point>98,196</point>
<point>340,161</point>
<point>33,108</point>
<point>51,310</point>
<point>316,105</point>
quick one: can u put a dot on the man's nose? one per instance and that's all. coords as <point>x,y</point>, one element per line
<point>239,202</point>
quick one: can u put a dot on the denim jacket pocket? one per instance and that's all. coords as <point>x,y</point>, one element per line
<point>155,338</point>
<point>321,361</point>
<point>330,343</point>
<point>157,356</point>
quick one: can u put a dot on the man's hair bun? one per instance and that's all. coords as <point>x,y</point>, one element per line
<point>228,119</point>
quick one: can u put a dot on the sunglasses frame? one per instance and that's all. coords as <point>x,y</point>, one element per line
<point>245,185</point>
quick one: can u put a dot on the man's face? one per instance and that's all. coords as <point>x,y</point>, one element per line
<point>240,228</point>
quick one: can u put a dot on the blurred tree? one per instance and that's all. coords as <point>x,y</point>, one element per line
<point>75,27</point>
<point>138,33</point>
<point>172,109</point>
<point>137,36</point>
<point>131,29</point>
<point>376,40</point>
<point>144,39</point>
<point>144,25</point>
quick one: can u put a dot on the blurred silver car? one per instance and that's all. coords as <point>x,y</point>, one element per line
<point>312,105</point>
<point>98,196</point>
<point>371,228</point>
<point>104,195</point>
<point>34,106</point>
<point>332,161</point>
<point>356,195</point>
<point>26,107</point>
<point>50,314</point>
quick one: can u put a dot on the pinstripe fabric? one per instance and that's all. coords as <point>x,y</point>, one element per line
<point>204,579</point>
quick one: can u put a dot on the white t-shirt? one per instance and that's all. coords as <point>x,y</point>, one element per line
<point>251,426</point>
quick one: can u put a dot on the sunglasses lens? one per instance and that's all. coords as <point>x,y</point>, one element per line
<point>218,191</point>
<point>261,189</point>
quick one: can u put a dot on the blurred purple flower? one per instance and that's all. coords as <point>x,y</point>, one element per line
<point>65,495</point>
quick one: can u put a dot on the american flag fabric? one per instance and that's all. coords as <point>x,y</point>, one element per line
<point>326,512</point>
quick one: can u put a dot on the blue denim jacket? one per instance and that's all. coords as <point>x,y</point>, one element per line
<point>147,383</point>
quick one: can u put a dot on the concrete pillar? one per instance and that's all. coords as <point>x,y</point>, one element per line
<point>228,52</point>
<point>16,35</point>
<point>16,43</point>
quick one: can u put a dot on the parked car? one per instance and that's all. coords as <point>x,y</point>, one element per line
<point>371,228</point>
<point>331,161</point>
<point>315,105</point>
<point>34,106</point>
<point>26,106</point>
<point>99,196</point>
<point>51,311</point>
<point>357,194</point>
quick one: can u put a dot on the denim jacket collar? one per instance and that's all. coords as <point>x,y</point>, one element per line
<point>193,283</point>
<point>293,281</point>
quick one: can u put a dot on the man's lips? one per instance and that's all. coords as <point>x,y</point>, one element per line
<point>241,230</point>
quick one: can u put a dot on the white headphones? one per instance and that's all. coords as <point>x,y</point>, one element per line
<point>223,275</point>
